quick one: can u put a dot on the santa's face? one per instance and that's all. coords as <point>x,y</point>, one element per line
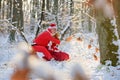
<point>53,31</point>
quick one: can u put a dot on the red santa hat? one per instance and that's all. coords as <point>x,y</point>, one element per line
<point>52,25</point>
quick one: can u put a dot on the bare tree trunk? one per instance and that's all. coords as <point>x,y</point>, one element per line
<point>48,5</point>
<point>3,10</point>
<point>71,7</point>
<point>33,9</point>
<point>71,12</point>
<point>91,23</point>
<point>0,3</point>
<point>12,32</point>
<point>8,10</point>
<point>108,50</point>
<point>21,18</point>
<point>17,18</point>
<point>55,10</point>
<point>42,17</point>
<point>32,20</point>
<point>11,10</point>
<point>0,9</point>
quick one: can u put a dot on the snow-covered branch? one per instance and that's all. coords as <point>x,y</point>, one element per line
<point>12,27</point>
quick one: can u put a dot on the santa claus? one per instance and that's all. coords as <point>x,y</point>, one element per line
<point>42,41</point>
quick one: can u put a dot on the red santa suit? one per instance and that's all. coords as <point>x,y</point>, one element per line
<point>42,40</point>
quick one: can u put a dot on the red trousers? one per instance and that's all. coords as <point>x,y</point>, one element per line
<point>59,56</point>
<point>48,55</point>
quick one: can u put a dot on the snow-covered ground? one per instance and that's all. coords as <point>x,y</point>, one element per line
<point>84,54</point>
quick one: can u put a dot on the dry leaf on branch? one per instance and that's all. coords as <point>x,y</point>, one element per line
<point>97,50</point>
<point>95,57</point>
<point>69,38</point>
<point>79,39</point>
<point>89,46</point>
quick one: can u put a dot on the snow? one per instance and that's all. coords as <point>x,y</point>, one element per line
<point>81,60</point>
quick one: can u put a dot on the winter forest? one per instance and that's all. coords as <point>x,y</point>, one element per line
<point>88,31</point>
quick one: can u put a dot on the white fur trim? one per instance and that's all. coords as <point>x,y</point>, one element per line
<point>52,27</point>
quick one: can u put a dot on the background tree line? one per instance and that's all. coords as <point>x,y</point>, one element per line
<point>68,15</point>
